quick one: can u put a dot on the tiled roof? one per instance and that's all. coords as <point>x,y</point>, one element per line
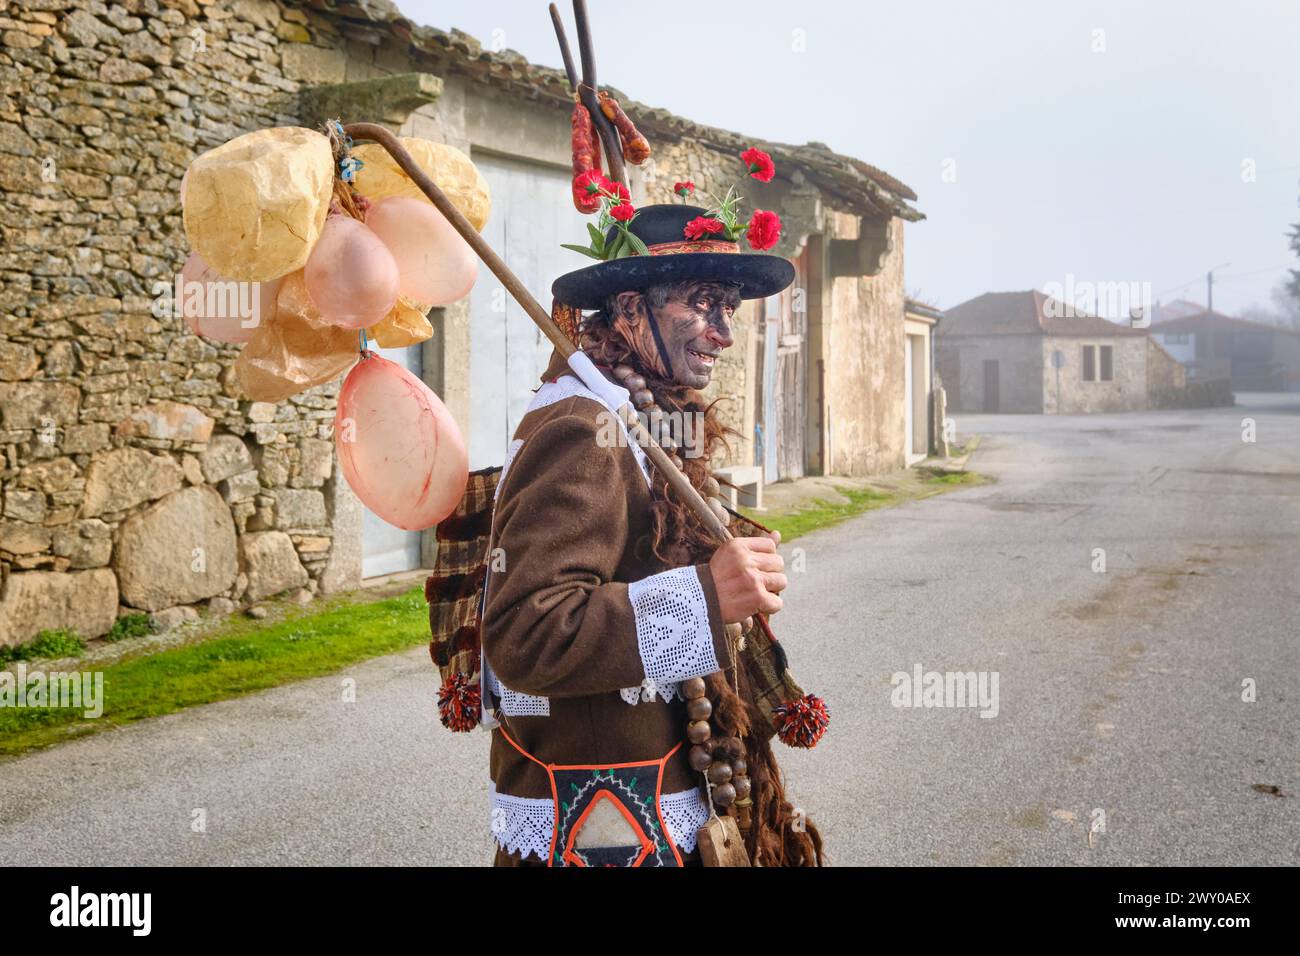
<point>912,307</point>
<point>1025,313</point>
<point>1216,321</point>
<point>861,187</point>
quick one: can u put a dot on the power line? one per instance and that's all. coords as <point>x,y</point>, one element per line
<point>1243,275</point>
<point>1220,278</point>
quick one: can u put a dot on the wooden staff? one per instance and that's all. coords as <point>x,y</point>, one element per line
<point>569,69</point>
<point>672,474</point>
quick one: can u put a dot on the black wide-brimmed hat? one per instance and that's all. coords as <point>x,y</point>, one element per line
<point>673,258</point>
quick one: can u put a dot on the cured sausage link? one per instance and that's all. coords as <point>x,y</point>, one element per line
<point>636,148</point>
<point>586,158</point>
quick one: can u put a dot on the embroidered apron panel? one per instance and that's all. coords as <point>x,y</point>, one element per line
<point>609,816</point>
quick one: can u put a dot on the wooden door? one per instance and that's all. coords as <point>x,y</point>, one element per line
<point>991,397</point>
<point>789,376</point>
<point>532,213</point>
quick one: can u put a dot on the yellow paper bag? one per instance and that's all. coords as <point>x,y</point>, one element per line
<point>254,207</point>
<point>453,172</point>
<point>405,325</point>
<point>295,350</point>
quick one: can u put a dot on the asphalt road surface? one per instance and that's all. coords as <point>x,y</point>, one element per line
<point>1121,735</point>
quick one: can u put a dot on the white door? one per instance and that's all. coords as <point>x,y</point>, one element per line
<point>907,403</point>
<point>385,549</point>
<point>917,404</point>
<point>532,213</point>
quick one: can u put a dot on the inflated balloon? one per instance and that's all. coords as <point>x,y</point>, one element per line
<point>222,309</point>
<point>294,349</point>
<point>254,207</point>
<point>351,275</point>
<point>398,446</point>
<point>456,175</point>
<point>436,265</point>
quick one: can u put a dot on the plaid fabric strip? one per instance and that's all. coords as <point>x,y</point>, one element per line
<point>455,588</point>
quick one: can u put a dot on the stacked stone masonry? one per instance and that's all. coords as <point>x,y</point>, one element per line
<point>133,475</point>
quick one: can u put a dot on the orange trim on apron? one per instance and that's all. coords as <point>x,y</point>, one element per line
<point>550,769</point>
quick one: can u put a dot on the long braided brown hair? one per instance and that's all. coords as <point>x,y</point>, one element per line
<point>778,835</point>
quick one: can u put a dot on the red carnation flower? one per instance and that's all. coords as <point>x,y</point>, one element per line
<point>702,226</point>
<point>618,190</point>
<point>759,164</point>
<point>622,212</point>
<point>684,189</point>
<point>764,229</point>
<point>590,181</point>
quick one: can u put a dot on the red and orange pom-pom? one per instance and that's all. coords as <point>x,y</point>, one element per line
<point>460,703</point>
<point>801,723</point>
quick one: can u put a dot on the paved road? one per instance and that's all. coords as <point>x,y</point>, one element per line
<point>1117,691</point>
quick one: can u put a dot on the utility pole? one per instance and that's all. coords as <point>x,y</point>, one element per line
<point>1209,286</point>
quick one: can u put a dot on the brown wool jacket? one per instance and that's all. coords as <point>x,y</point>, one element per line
<point>581,613</point>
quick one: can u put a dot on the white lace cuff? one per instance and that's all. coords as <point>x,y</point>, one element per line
<point>672,626</point>
<point>513,703</point>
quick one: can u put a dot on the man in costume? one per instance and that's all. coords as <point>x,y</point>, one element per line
<point>613,627</point>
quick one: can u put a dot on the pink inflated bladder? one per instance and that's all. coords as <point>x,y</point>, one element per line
<point>221,309</point>
<point>399,448</point>
<point>436,265</point>
<point>351,276</point>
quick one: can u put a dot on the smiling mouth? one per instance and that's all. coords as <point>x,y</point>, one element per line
<point>704,358</point>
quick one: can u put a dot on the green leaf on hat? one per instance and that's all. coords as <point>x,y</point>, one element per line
<point>637,245</point>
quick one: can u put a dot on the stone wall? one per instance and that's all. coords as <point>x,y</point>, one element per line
<point>866,387</point>
<point>134,475</point>
<point>1126,391</point>
<point>961,359</point>
<point>1199,393</point>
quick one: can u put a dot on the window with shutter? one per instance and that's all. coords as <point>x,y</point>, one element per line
<point>1107,362</point>
<point>1090,363</point>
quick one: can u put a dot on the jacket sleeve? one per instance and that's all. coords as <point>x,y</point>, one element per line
<point>556,624</point>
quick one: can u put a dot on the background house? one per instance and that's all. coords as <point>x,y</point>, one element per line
<point>1026,352</point>
<point>126,443</point>
<point>1253,356</point>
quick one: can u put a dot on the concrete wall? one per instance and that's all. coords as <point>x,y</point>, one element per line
<point>1164,372</point>
<point>864,354</point>
<point>1181,351</point>
<point>1127,391</point>
<point>1020,369</point>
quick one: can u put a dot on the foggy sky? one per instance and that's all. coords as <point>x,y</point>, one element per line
<point>1114,156</point>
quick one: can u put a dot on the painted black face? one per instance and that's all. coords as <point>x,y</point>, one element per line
<point>696,328</point>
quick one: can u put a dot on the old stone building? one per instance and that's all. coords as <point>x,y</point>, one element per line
<point>136,477</point>
<point>1027,352</point>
